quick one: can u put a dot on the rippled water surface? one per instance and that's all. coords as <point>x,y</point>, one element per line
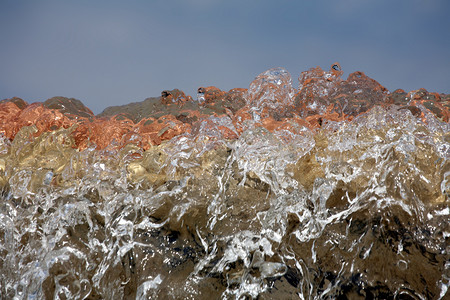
<point>353,210</point>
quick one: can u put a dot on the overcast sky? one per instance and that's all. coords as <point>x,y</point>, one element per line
<point>115,52</point>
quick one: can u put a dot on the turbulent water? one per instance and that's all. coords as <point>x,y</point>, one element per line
<point>352,210</point>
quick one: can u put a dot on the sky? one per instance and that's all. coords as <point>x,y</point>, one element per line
<point>112,52</point>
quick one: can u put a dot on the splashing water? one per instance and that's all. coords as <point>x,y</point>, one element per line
<point>352,210</point>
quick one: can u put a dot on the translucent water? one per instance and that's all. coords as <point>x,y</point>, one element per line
<point>353,210</point>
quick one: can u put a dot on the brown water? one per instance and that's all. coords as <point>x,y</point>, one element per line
<point>354,210</point>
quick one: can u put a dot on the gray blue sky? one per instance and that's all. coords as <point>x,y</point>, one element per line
<point>115,52</point>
